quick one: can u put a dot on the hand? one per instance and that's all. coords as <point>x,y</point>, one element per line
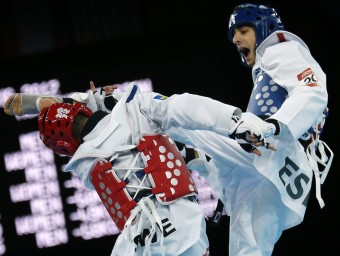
<point>251,132</point>
<point>92,87</point>
<point>108,89</point>
<point>12,105</point>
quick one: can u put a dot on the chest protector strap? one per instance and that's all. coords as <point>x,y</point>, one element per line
<point>169,175</point>
<point>112,192</point>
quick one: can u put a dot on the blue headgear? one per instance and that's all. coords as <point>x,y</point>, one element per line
<point>265,20</point>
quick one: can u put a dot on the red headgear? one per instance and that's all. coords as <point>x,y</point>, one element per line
<point>55,126</point>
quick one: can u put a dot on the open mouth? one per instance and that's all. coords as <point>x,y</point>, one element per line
<point>244,51</point>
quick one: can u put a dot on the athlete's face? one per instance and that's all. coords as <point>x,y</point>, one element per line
<point>245,40</point>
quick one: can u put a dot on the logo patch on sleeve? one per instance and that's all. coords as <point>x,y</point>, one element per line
<point>160,97</point>
<point>307,77</point>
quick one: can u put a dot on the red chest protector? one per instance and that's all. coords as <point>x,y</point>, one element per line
<point>112,192</point>
<point>165,168</point>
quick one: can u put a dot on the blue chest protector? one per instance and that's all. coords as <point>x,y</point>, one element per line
<point>267,96</point>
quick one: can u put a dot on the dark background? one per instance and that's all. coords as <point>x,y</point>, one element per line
<point>182,46</point>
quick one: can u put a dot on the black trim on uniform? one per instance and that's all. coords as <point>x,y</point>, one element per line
<point>92,122</point>
<point>189,154</point>
<point>68,100</point>
<point>215,219</point>
<point>273,121</point>
<point>276,123</point>
<point>110,102</point>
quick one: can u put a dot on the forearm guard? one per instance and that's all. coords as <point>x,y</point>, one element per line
<point>30,102</point>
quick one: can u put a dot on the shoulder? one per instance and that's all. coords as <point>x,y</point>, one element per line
<point>283,49</point>
<point>281,41</point>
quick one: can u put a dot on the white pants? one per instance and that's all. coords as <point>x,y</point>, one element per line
<point>185,224</point>
<point>257,214</point>
<point>257,224</point>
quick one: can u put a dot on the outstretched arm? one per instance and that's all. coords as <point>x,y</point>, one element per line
<point>20,104</point>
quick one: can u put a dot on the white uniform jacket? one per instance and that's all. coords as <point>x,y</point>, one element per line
<point>289,86</point>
